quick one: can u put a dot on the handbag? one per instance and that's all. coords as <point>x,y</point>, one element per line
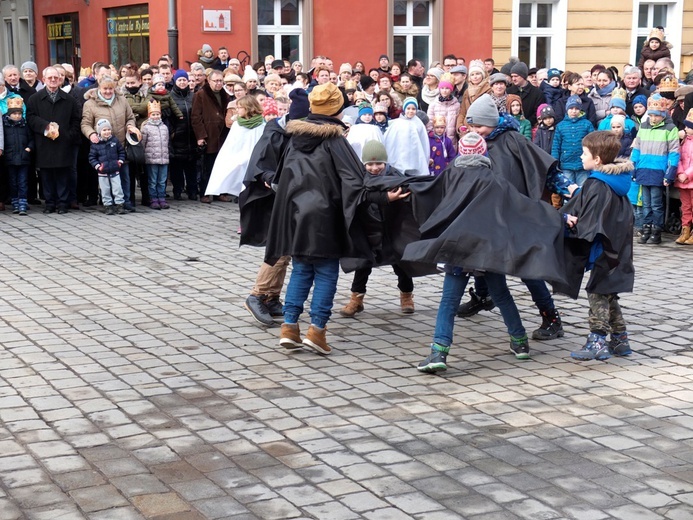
<point>135,153</point>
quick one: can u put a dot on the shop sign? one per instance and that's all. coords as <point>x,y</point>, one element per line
<point>59,31</point>
<point>215,20</point>
<point>135,25</point>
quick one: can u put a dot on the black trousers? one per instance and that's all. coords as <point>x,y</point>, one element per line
<point>184,175</point>
<point>55,187</point>
<point>404,281</point>
<point>207,171</point>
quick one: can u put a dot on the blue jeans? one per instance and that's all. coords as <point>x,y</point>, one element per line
<point>321,274</point>
<point>453,290</point>
<point>537,288</point>
<point>637,213</point>
<point>19,176</point>
<point>653,206</point>
<point>157,175</point>
<point>576,176</point>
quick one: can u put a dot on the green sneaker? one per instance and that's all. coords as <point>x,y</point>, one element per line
<point>520,347</point>
<point>435,362</point>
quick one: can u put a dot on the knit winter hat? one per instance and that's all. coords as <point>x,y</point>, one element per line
<point>269,107</point>
<point>689,119</point>
<point>366,81</point>
<point>207,48</point>
<point>29,65</point>
<point>345,67</point>
<point>365,109</point>
<point>326,100</point>
<point>101,124</point>
<point>299,108</point>
<point>472,144</point>
<point>435,71</point>
<point>477,66</point>
<point>158,78</point>
<point>619,118</point>
<point>511,99</point>
<point>656,106</point>
<point>423,117</point>
<point>640,99</point>
<point>618,102</point>
<point>373,152</point>
<point>180,73</point>
<point>249,73</point>
<point>574,101</point>
<point>483,112</point>
<point>553,73</point>
<point>409,101</point>
<point>547,112</point>
<point>520,69</point>
<point>498,77</point>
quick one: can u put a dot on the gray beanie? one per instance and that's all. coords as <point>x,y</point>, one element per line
<point>101,124</point>
<point>207,48</point>
<point>373,151</point>
<point>498,77</point>
<point>423,116</point>
<point>483,112</point>
<point>29,65</point>
<point>435,71</point>
<point>520,69</point>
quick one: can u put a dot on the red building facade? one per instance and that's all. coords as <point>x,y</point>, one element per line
<point>118,31</point>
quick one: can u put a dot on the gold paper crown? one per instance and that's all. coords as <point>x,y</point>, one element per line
<point>668,84</point>
<point>15,102</point>
<point>447,77</point>
<point>656,104</point>
<point>153,106</point>
<point>619,93</point>
<point>350,85</point>
<point>659,34</point>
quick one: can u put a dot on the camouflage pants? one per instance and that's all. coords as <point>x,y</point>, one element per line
<point>605,313</point>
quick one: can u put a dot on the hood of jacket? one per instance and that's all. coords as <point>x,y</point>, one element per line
<point>94,94</point>
<point>306,135</point>
<point>616,175</point>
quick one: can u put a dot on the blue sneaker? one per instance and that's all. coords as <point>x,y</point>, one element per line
<point>435,362</point>
<point>619,344</point>
<point>595,348</point>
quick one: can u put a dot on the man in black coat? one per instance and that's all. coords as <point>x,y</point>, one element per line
<point>632,82</point>
<point>531,96</point>
<point>54,117</point>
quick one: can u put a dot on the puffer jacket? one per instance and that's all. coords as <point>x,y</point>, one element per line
<point>110,154</point>
<point>448,109</point>
<point>655,153</point>
<point>119,114</point>
<point>139,105</point>
<point>686,164</point>
<point>183,140</point>
<point>567,141</point>
<point>601,104</point>
<point>169,109</point>
<point>155,141</point>
<point>18,137</point>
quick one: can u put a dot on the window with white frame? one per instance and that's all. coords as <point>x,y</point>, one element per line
<point>656,13</point>
<point>536,34</point>
<point>412,29</point>
<point>279,28</point>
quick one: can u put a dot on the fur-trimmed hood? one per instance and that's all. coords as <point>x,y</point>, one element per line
<point>307,134</point>
<point>617,167</point>
<point>412,92</point>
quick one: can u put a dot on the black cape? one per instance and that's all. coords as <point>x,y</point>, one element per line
<point>257,200</point>
<point>605,216</point>
<point>319,190</point>
<point>474,219</point>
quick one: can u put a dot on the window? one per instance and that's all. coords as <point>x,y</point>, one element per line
<point>63,36</point>
<point>9,41</point>
<point>412,30</point>
<point>279,29</point>
<point>128,34</point>
<point>656,13</point>
<point>539,29</point>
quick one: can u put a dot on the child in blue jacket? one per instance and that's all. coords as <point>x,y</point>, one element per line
<point>567,142</point>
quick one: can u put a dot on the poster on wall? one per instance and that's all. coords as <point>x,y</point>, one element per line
<point>216,20</point>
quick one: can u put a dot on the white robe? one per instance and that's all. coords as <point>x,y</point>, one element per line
<point>232,161</point>
<point>360,134</point>
<point>406,143</point>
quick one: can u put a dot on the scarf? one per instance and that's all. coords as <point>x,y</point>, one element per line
<point>66,88</point>
<point>429,96</point>
<point>53,96</point>
<point>252,122</point>
<point>506,123</point>
<point>155,122</point>
<point>109,102</point>
<point>444,99</point>
<point>607,89</point>
<point>501,103</point>
<point>182,91</point>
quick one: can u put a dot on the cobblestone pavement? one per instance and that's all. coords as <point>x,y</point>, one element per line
<point>133,384</point>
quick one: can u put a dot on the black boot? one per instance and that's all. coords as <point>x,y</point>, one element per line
<point>656,237</point>
<point>646,234</point>
<point>475,305</point>
<point>551,326</point>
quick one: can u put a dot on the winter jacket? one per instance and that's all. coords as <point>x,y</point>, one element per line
<point>448,109</point>
<point>630,95</point>
<point>155,141</point>
<point>138,104</point>
<point>626,146</point>
<point>23,89</point>
<point>544,137</point>
<point>531,97</point>
<point>468,98</point>
<point>40,111</point>
<point>525,128</point>
<point>442,152</point>
<point>630,129</point>
<point>110,154</point>
<point>169,109</point>
<point>551,94</point>
<point>587,108</point>
<point>183,139</point>
<point>17,136</point>
<point>601,104</point>
<point>208,117</point>
<point>655,153</point>
<point>686,164</point>
<point>119,114</point>
<point>567,142</point>
<point>648,54</point>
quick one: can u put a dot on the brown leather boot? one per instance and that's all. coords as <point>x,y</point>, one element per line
<point>406,302</point>
<point>317,340</point>
<point>290,336</point>
<point>354,306</point>
<point>689,242</point>
<point>556,200</point>
<point>685,235</point>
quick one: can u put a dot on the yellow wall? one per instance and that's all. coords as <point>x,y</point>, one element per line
<point>502,33</point>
